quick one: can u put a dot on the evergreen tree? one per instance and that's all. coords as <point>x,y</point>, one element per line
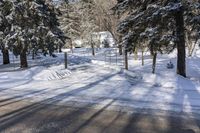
<point>34,26</point>
<point>5,26</point>
<point>158,23</point>
<point>192,25</point>
<point>106,43</point>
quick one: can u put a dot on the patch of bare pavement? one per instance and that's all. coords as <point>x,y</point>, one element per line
<point>25,117</point>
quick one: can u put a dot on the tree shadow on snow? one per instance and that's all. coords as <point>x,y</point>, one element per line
<point>46,116</point>
<point>188,97</point>
<point>18,115</point>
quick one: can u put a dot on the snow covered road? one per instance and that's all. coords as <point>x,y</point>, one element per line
<point>92,85</point>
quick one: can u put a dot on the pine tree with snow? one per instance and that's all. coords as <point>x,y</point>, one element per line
<point>192,25</point>
<point>34,26</point>
<point>5,26</point>
<point>161,24</point>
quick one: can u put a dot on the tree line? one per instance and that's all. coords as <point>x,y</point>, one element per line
<point>160,26</point>
<point>29,26</point>
<point>136,25</point>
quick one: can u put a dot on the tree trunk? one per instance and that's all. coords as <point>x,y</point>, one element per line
<point>120,45</point>
<point>6,59</point>
<point>60,48</point>
<point>99,45</point>
<point>135,54</point>
<point>33,54</point>
<point>126,59</point>
<point>154,63</point>
<point>120,49</point>
<point>190,45</point>
<point>142,57</point>
<point>23,59</point>
<point>92,46</point>
<point>66,61</point>
<point>71,45</point>
<point>180,33</point>
<point>193,47</point>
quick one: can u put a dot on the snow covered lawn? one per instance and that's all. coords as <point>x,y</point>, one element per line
<point>92,84</point>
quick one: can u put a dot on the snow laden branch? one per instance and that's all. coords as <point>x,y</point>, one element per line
<point>159,24</point>
<point>30,26</point>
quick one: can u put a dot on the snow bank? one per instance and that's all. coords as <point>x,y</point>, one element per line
<point>102,84</point>
<point>52,73</point>
<point>15,78</point>
<point>44,69</point>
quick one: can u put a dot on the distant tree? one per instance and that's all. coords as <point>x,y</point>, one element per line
<point>70,21</point>
<point>88,21</point>
<point>106,20</point>
<point>78,20</point>
<point>106,43</point>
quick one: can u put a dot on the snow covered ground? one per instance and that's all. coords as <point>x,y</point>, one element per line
<point>98,84</point>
